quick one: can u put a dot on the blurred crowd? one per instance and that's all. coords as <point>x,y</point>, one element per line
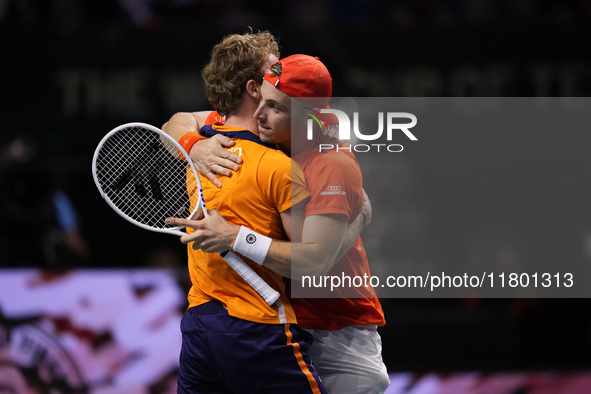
<point>70,16</point>
<point>41,225</point>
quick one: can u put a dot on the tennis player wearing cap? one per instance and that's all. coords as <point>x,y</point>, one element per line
<point>347,348</point>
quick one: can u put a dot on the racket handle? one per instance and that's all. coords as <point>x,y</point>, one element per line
<point>269,294</point>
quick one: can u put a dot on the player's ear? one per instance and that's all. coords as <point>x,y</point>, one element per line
<point>253,88</point>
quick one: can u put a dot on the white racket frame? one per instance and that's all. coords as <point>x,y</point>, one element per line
<point>269,294</point>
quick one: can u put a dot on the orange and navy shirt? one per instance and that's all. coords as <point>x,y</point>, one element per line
<point>254,197</point>
<point>335,183</point>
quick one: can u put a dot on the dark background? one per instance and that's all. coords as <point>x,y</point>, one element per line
<point>73,70</point>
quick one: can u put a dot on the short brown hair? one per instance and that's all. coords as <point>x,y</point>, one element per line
<point>234,61</point>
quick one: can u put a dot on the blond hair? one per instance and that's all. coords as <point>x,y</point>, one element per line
<point>234,61</point>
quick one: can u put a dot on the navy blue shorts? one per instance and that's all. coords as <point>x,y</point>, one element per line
<point>224,354</point>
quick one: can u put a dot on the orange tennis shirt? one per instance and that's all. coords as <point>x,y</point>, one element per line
<point>335,183</point>
<point>253,197</point>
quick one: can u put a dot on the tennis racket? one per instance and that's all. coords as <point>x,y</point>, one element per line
<point>146,176</point>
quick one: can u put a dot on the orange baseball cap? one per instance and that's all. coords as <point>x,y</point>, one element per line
<point>304,77</point>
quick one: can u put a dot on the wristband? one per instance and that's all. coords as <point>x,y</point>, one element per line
<point>188,140</point>
<point>252,245</point>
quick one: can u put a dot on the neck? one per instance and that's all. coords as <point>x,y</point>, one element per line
<point>243,116</point>
<point>242,123</point>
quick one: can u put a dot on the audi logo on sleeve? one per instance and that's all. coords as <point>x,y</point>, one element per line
<point>333,190</point>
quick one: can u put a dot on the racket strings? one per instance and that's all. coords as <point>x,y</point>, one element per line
<point>140,173</point>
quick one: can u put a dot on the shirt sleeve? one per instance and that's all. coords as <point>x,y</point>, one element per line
<point>214,117</point>
<point>282,180</point>
<point>335,185</point>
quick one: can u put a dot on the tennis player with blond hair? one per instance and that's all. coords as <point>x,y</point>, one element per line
<point>232,341</point>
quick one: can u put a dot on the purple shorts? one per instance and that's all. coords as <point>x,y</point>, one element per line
<point>224,354</point>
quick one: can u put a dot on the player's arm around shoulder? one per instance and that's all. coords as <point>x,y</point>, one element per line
<point>210,155</point>
<point>184,122</point>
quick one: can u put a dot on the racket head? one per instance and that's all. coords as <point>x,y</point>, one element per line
<point>146,176</point>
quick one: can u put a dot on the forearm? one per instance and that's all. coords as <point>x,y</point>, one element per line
<point>180,124</point>
<point>322,237</point>
<point>294,260</point>
<point>279,258</point>
<point>314,255</point>
<point>353,230</point>
<point>210,155</point>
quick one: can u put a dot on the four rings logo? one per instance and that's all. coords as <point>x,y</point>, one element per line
<point>333,190</point>
<point>344,134</point>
